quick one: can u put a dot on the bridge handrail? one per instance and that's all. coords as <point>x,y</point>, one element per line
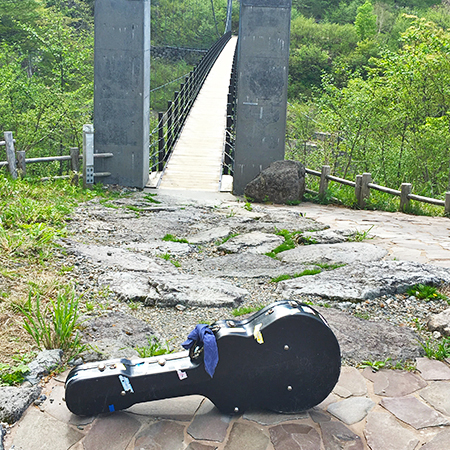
<point>170,122</point>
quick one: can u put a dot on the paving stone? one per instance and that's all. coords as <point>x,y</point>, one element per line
<point>318,415</point>
<point>433,370</point>
<point>56,407</point>
<point>111,432</point>
<point>351,410</point>
<point>161,435</point>
<point>15,400</point>
<point>384,432</point>
<point>413,412</point>
<point>210,235</point>
<point>394,383</point>
<point>180,408</point>
<point>439,442</point>
<point>38,431</point>
<point>209,423</point>
<point>437,394</point>
<point>198,446</point>
<point>254,242</point>
<point>294,436</point>
<point>336,436</point>
<point>350,382</point>
<point>246,437</point>
<point>271,418</point>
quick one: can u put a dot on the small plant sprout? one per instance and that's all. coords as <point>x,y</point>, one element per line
<point>426,292</point>
<point>154,348</point>
<point>172,238</point>
<point>246,310</point>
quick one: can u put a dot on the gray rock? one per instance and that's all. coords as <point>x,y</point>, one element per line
<point>43,364</point>
<point>344,253</point>
<point>394,383</point>
<point>327,236</point>
<point>351,382</point>
<point>246,437</point>
<point>111,432</point>
<point>413,412</point>
<point>440,322</point>
<point>2,433</point>
<point>362,340</point>
<point>129,286</point>
<point>439,442</point>
<point>245,265</point>
<point>365,281</point>
<point>336,436</point>
<point>281,182</point>
<point>209,423</point>
<point>384,432</point>
<point>160,435</point>
<point>431,369</point>
<point>114,335</point>
<point>15,400</point>
<point>351,410</point>
<point>437,394</point>
<point>193,290</point>
<point>254,242</point>
<point>294,437</point>
<point>210,235</point>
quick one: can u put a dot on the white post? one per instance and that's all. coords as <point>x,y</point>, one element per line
<point>10,153</point>
<point>88,156</point>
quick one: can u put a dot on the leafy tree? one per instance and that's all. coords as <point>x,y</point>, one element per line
<point>366,21</point>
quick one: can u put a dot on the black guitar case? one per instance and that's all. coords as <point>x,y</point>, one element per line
<point>284,358</point>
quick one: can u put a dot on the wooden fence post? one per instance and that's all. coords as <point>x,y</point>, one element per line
<point>74,159</point>
<point>326,170</point>
<point>10,153</point>
<point>358,186</point>
<point>406,189</point>
<point>22,164</point>
<point>447,203</point>
<point>365,189</point>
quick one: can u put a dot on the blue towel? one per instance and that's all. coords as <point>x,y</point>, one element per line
<point>203,335</point>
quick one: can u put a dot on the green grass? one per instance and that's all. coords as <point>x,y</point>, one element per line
<point>437,350</point>
<point>296,275</point>
<point>172,238</point>
<point>149,198</point>
<point>55,325</point>
<point>241,311</point>
<point>230,236</point>
<point>326,266</point>
<point>288,244</point>
<point>153,348</point>
<point>168,257</point>
<point>14,374</point>
<point>426,292</point>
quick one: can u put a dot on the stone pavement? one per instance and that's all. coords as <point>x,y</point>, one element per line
<point>385,410</point>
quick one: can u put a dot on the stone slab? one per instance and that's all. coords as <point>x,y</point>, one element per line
<point>433,370</point>
<point>350,382</point>
<point>440,322</point>
<point>294,436</point>
<point>336,436</point>
<point>393,383</point>
<point>38,431</point>
<point>440,442</point>
<point>437,394</point>
<point>180,408</point>
<point>351,410</point>
<point>209,423</point>
<point>384,432</point>
<point>246,437</point>
<point>193,290</point>
<point>111,432</point>
<point>342,253</point>
<point>198,446</point>
<point>413,412</point>
<point>362,281</point>
<point>380,339</point>
<point>254,242</point>
<point>271,418</point>
<point>210,235</point>
<point>161,435</point>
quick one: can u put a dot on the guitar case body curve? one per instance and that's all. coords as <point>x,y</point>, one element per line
<point>284,358</point>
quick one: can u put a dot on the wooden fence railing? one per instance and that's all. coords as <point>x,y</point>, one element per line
<point>363,184</point>
<point>17,161</point>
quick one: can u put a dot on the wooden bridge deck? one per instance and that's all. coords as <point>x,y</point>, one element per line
<point>196,160</point>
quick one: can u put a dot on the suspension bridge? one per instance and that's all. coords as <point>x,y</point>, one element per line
<point>196,159</point>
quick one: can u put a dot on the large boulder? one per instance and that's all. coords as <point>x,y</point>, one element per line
<point>282,182</point>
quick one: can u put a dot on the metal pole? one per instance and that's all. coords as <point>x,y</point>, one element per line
<point>88,156</point>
